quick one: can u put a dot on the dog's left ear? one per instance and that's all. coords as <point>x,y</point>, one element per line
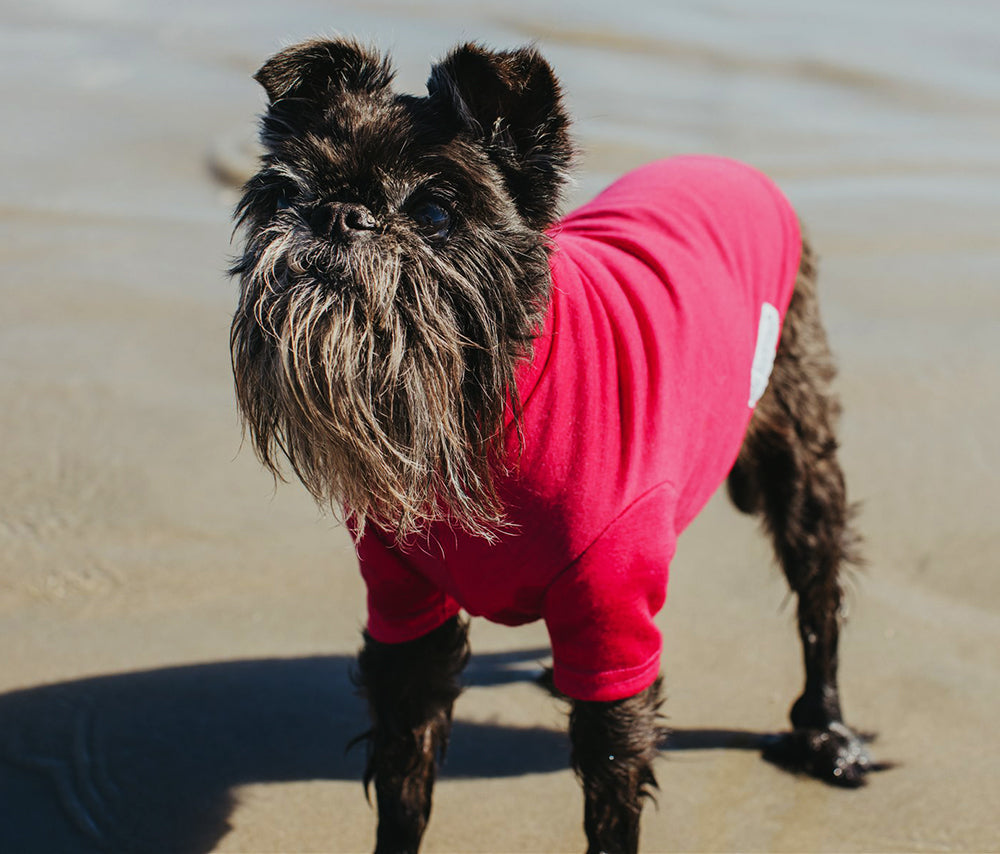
<point>324,66</point>
<point>511,103</point>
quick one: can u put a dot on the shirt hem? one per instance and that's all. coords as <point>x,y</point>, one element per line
<point>386,632</point>
<point>605,687</point>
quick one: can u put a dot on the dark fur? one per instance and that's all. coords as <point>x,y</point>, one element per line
<point>788,472</point>
<point>381,368</point>
<point>410,689</point>
<point>614,745</point>
<point>394,272</point>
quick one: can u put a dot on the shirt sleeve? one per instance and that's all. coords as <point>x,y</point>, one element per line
<point>599,611</point>
<point>402,604</point>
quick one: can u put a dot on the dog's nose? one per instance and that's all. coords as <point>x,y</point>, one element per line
<point>339,220</point>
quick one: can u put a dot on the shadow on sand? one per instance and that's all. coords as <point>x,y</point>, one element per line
<point>148,761</point>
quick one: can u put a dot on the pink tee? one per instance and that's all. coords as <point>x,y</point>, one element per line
<point>668,291</point>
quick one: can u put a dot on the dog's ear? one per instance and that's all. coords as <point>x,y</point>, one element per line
<point>511,103</point>
<point>324,66</point>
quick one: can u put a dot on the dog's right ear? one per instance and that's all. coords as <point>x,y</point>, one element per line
<point>321,67</point>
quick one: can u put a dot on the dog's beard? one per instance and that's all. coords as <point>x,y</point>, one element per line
<point>384,376</point>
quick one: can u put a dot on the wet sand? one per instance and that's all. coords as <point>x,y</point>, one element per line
<point>178,632</point>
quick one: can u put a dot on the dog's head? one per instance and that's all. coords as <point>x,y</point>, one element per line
<point>394,272</point>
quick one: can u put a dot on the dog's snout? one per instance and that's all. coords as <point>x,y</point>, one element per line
<point>342,220</point>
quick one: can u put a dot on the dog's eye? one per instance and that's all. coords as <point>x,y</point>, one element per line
<point>282,204</point>
<point>433,219</point>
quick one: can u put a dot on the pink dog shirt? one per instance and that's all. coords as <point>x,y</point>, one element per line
<point>668,292</point>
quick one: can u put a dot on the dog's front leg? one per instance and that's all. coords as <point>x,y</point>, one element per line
<point>614,745</point>
<point>410,689</point>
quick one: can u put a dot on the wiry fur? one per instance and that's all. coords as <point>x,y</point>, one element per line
<point>382,367</point>
<point>410,689</point>
<point>788,472</point>
<point>614,745</point>
<point>376,350</point>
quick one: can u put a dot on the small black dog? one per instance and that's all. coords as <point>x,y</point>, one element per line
<point>519,416</point>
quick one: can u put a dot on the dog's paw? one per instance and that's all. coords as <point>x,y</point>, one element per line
<point>836,755</point>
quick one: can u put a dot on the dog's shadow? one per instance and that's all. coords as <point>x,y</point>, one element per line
<point>149,761</point>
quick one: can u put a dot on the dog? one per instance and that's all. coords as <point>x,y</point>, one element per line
<point>517,413</point>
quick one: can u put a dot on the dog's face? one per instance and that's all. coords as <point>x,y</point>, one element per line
<point>394,271</point>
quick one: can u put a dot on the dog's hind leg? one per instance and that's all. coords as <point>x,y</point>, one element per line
<point>788,471</point>
<point>614,744</point>
<point>410,688</point>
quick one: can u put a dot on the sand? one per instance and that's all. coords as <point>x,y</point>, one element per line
<point>178,631</point>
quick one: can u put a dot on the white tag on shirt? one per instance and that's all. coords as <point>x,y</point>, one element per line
<point>763,355</point>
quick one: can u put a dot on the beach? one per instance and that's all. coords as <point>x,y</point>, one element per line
<point>179,629</point>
